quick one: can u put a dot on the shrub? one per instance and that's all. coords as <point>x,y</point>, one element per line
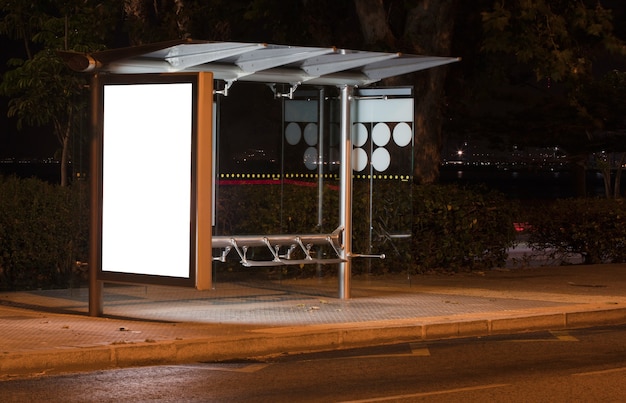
<point>460,228</point>
<point>388,229</point>
<point>44,227</point>
<point>593,228</point>
<point>451,228</point>
<point>43,232</point>
<point>262,209</point>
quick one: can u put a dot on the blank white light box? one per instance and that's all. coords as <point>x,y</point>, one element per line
<point>149,179</point>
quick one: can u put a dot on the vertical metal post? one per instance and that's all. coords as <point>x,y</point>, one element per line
<point>321,105</point>
<point>282,166</point>
<point>320,159</point>
<point>345,191</point>
<point>95,225</point>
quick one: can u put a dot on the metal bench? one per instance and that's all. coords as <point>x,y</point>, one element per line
<point>290,244</point>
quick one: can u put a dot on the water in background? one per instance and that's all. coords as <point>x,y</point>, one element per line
<point>525,185</point>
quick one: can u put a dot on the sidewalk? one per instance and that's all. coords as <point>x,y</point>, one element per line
<point>49,331</point>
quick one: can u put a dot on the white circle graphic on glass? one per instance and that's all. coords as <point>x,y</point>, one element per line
<point>402,134</point>
<point>293,133</point>
<point>381,159</point>
<point>359,134</point>
<point>310,134</point>
<point>381,134</point>
<point>310,158</point>
<point>359,159</point>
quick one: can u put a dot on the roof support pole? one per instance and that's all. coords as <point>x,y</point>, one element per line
<point>320,158</point>
<point>345,191</point>
<point>320,163</point>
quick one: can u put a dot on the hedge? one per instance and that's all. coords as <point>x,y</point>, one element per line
<point>44,227</point>
<point>592,228</point>
<point>43,233</point>
<point>458,228</point>
<point>434,227</point>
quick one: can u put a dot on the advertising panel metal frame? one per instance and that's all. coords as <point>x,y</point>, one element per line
<point>146,241</point>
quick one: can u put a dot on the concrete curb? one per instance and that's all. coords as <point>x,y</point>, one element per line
<point>273,341</point>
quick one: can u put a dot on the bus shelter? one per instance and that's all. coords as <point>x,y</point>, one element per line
<point>154,151</point>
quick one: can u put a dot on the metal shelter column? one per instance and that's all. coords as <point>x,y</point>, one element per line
<point>320,157</point>
<point>345,191</point>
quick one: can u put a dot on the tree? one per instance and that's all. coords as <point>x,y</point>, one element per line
<point>604,101</point>
<point>42,93</point>
<point>555,39</point>
<point>42,90</point>
<point>420,27</point>
<point>559,43</point>
<point>151,21</point>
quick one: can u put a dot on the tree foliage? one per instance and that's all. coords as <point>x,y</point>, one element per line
<point>42,93</point>
<point>559,42</point>
<point>41,89</point>
<point>546,56</point>
<point>419,27</point>
<point>555,39</point>
<point>603,101</point>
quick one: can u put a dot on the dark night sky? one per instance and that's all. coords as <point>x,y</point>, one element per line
<point>24,143</point>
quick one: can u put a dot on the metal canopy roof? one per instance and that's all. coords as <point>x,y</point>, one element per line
<point>233,61</point>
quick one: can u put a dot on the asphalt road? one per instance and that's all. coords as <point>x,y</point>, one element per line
<point>587,365</point>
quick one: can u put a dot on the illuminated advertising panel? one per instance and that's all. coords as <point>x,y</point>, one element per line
<point>148,207</point>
